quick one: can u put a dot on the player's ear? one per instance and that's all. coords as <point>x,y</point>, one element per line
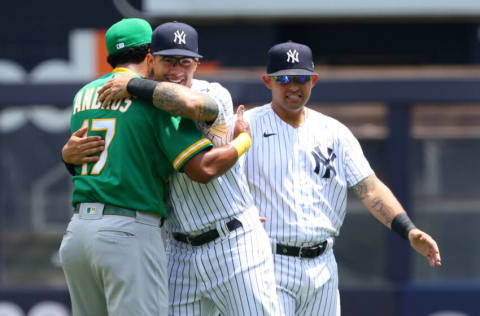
<point>314,80</point>
<point>267,80</point>
<point>149,59</point>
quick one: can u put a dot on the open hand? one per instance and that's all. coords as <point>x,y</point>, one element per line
<point>424,244</point>
<point>79,147</point>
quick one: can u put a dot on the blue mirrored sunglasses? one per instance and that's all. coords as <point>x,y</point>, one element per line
<point>286,79</point>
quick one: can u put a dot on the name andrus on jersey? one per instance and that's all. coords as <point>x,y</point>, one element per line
<point>87,99</point>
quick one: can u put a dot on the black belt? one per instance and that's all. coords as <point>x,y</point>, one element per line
<point>302,252</point>
<point>207,236</point>
<point>115,210</point>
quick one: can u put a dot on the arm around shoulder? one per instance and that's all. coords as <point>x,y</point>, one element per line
<point>175,99</point>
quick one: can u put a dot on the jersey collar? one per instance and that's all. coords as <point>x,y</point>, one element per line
<point>122,69</point>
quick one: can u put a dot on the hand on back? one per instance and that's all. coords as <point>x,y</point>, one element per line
<point>115,89</point>
<point>80,147</point>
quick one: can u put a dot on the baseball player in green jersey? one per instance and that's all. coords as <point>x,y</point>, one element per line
<point>112,252</point>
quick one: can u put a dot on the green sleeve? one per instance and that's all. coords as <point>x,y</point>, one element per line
<point>181,140</point>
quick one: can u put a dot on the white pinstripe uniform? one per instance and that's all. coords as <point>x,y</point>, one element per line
<point>299,179</point>
<point>233,273</point>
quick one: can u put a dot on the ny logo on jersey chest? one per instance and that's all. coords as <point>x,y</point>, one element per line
<point>320,158</point>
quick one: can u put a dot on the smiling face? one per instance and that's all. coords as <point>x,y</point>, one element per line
<point>290,97</point>
<point>176,69</point>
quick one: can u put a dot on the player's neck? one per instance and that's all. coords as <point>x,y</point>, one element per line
<point>295,118</point>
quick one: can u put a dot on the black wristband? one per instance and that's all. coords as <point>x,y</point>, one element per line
<point>70,167</point>
<point>402,225</point>
<point>142,88</point>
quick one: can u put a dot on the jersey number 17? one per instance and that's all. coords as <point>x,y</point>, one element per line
<point>107,125</point>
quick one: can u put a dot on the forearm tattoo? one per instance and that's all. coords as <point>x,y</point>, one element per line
<point>208,110</point>
<point>382,210</point>
<point>375,204</point>
<point>168,99</point>
<point>171,100</point>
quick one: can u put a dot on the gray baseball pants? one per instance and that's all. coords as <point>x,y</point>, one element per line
<point>115,265</point>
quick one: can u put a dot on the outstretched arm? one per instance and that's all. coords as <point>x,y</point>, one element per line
<point>173,98</point>
<point>383,205</point>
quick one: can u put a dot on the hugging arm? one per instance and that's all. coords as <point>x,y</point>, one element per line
<point>173,98</point>
<point>212,163</point>
<point>202,168</point>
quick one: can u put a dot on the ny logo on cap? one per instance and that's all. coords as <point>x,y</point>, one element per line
<point>180,36</point>
<point>292,56</point>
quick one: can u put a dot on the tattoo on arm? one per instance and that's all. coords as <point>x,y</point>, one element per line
<point>208,111</point>
<point>382,210</point>
<point>171,99</point>
<point>376,204</point>
<point>168,99</point>
<point>361,189</point>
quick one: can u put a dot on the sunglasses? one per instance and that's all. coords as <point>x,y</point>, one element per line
<point>286,79</point>
<point>182,61</point>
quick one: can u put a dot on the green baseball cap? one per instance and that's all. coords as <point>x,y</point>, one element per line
<point>127,33</point>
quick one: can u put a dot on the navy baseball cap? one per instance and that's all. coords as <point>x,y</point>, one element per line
<point>290,58</point>
<point>175,39</point>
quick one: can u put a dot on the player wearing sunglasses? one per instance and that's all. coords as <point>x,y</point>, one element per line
<point>299,169</point>
<point>286,79</point>
<point>289,94</point>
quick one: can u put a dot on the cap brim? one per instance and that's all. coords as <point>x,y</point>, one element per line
<point>177,52</point>
<point>293,72</point>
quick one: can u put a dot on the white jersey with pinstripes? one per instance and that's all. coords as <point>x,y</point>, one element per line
<point>232,274</point>
<point>194,206</point>
<point>299,177</point>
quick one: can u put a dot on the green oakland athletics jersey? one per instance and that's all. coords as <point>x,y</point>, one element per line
<point>143,147</point>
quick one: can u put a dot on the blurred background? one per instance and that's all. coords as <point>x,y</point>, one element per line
<point>404,76</point>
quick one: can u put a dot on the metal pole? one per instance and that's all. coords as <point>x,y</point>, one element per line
<point>399,170</point>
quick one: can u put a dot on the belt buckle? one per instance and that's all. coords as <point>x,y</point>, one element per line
<point>189,241</point>
<point>300,252</point>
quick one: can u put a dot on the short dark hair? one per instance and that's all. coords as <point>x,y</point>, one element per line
<point>134,55</point>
